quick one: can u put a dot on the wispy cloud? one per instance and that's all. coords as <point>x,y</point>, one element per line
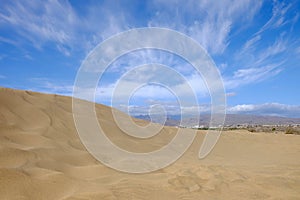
<point>57,21</point>
<point>246,76</point>
<point>9,41</point>
<point>2,76</point>
<point>256,56</point>
<point>249,46</point>
<point>257,59</point>
<point>278,19</point>
<point>41,22</point>
<point>46,85</point>
<point>208,22</point>
<point>258,63</point>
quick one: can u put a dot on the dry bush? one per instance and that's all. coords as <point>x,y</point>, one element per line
<point>292,130</point>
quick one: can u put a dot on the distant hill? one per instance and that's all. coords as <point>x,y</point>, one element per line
<point>231,119</point>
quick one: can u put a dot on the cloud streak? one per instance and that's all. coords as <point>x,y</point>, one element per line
<point>208,22</point>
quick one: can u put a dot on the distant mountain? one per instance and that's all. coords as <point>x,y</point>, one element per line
<point>231,119</point>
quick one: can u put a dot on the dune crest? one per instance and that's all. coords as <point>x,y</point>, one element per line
<point>42,157</point>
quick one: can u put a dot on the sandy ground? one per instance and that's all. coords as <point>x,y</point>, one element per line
<point>41,157</point>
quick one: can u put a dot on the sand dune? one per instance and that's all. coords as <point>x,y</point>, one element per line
<point>41,157</point>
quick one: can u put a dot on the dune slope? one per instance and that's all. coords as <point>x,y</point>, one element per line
<point>41,157</point>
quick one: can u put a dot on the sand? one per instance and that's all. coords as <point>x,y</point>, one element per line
<point>41,157</point>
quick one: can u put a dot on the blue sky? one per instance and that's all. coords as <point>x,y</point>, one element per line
<point>254,44</point>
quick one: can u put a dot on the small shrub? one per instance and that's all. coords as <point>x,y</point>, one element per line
<point>205,128</point>
<point>252,130</point>
<point>291,130</point>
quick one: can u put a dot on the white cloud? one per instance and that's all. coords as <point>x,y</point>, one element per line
<point>169,107</point>
<point>267,109</point>
<point>273,109</point>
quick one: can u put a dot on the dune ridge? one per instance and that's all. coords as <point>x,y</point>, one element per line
<point>42,157</point>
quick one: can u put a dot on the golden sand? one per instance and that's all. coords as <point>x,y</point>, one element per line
<point>41,157</point>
